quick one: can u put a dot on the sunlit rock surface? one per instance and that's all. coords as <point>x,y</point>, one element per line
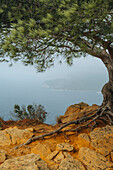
<point>102,140</point>
<point>83,150</point>
<point>27,162</point>
<point>14,136</point>
<point>94,160</point>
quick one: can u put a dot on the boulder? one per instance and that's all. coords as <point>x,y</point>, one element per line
<point>27,162</point>
<point>75,108</point>
<point>65,147</point>
<point>83,140</point>
<point>14,136</point>
<point>102,139</point>
<point>42,149</point>
<point>76,111</point>
<point>93,160</point>
<point>71,164</point>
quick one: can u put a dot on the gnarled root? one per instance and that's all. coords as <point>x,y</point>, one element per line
<point>102,114</point>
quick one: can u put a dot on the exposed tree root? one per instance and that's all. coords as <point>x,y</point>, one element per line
<point>102,114</point>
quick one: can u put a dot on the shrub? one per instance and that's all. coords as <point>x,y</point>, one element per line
<point>59,119</point>
<point>31,112</point>
<point>1,122</point>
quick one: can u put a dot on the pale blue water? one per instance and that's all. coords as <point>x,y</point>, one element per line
<point>56,89</point>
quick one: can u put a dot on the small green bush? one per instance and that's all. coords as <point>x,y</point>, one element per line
<point>31,112</point>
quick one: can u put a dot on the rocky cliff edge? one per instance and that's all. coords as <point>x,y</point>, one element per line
<point>81,150</point>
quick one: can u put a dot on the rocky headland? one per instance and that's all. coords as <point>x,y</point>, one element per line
<point>80,150</point>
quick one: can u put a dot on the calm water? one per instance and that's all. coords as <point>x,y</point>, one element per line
<point>56,89</point>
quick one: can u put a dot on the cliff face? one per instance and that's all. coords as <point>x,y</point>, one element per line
<point>71,151</point>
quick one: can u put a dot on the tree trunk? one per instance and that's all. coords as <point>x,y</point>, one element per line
<point>107,90</point>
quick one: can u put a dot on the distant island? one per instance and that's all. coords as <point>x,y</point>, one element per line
<point>73,85</point>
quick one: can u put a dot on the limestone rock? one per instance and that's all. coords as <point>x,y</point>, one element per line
<point>85,137</point>
<point>30,129</point>
<point>4,138</point>
<point>14,136</point>
<point>3,151</point>
<point>2,157</point>
<point>42,149</point>
<point>76,111</point>
<point>54,167</point>
<point>52,155</point>
<point>27,162</point>
<point>75,108</point>
<point>59,157</point>
<point>65,147</point>
<point>70,164</point>
<point>102,140</point>
<point>112,156</point>
<point>93,160</point>
<point>67,155</point>
<point>83,140</point>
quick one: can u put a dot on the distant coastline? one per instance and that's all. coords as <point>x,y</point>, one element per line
<point>63,85</point>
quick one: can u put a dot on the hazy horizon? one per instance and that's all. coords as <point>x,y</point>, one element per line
<point>23,85</point>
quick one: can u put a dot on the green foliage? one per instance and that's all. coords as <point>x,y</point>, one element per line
<point>31,112</point>
<point>32,31</point>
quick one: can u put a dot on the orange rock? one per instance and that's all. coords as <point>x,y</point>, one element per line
<point>42,149</point>
<point>93,160</point>
<point>52,155</point>
<point>2,157</point>
<point>112,156</point>
<point>59,157</point>
<point>102,139</point>
<point>82,140</point>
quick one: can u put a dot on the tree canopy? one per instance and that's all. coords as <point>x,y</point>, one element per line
<point>33,30</point>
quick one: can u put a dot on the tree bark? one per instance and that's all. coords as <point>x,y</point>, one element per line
<point>107,90</point>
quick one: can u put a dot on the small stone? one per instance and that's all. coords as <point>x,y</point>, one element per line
<point>52,155</point>
<point>30,129</point>
<point>2,157</point>
<point>52,165</point>
<point>65,147</point>
<point>3,151</point>
<point>67,155</point>
<point>59,157</point>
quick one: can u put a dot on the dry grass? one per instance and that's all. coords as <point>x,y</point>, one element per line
<point>59,119</point>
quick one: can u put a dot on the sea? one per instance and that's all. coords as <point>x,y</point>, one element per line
<point>57,88</point>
